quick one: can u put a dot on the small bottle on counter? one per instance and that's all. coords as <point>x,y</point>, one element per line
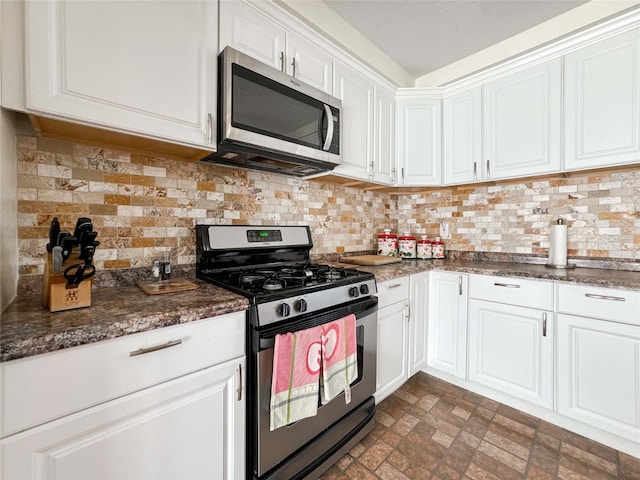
<point>407,245</point>
<point>424,248</point>
<point>156,270</point>
<point>387,243</point>
<point>437,248</point>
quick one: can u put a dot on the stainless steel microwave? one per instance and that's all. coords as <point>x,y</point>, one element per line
<point>271,121</point>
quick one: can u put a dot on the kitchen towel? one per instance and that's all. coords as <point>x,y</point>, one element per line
<point>296,376</point>
<point>558,245</point>
<point>339,358</point>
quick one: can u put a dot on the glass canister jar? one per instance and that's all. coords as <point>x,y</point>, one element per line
<point>387,243</point>
<point>423,249</point>
<point>407,245</point>
<point>437,248</point>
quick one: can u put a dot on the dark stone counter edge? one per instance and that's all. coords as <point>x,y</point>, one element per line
<point>27,329</point>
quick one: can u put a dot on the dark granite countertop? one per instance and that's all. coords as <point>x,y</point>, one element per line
<point>628,280</point>
<point>26,328</point>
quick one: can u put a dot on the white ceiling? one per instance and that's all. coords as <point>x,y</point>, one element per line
<point>425,35</point>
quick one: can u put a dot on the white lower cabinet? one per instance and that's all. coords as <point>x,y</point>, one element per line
<point>393,328</point>
<point>511,350</point>
<point>190,427</point>
<point>599,358</point>
<point>447,330</point>
<point>168,403</point>
<point>511,337</point>
<point>418,321</point>
<point>599,374</point>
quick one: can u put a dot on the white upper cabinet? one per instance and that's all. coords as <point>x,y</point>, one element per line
<point>256,34</point>
<point>418,140</point>
<point>357,94</point>
<point>384,164</point>
<point>602,103</point>
<point>522,122</point>
<point>462,137</point>
<point>135,67</point>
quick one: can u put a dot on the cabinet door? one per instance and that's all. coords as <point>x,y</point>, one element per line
<point>98,63</point>
<point>511,350</point>
<point>419,314</point>
<point>602,103</point>
<point>356,93</point>
<point>309,64</point>
<point>252,32</point>
<point>599,374</point>
<point>419,141</point>
<point>392,349</point>
<point>384,165</point>
<point>462,137</point>
<point>190,427</point>
<point>522,122</point>
<point>447,330</point>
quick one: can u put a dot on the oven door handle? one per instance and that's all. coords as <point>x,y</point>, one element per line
<point>267,340</point>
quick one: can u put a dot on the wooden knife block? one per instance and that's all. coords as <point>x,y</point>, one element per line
<point>55,294</point>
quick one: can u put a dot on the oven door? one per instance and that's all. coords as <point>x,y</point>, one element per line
<point>275,446</point>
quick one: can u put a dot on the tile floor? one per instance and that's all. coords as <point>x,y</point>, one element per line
<point>430,429</point>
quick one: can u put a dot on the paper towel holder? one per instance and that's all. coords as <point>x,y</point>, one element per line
<point>566,266</point>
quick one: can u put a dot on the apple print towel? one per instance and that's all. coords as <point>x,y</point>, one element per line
<point>296,375</point>
<point>322,358</point>
<point>339,358</point>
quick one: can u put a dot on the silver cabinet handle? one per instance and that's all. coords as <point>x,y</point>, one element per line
<point>605,297</point>
<point>402,174</point>
<point>142,351</point>
<point>544,324</point>
<point>395,285</point>
<point>507,285</point>
<point>282,61</point>
<point>475,170</point>
<point>239,382</point>
<point>209,128</point>
<point>293,64</point>
<point>459,284</point>
<point>488,169</point>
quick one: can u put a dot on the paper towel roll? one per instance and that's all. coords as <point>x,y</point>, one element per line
<point>558,245</point>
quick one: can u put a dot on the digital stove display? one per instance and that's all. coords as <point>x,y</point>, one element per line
<point>264,236</point>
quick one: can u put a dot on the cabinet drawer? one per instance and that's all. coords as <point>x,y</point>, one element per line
<point>512,291</point>
<point>393,291</point>
<point>605,303</point>
<point>44,387</point>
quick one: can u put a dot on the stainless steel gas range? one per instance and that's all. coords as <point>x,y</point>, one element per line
<point>288,293</point>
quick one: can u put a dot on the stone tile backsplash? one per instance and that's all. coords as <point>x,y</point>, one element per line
<point>144,207</point>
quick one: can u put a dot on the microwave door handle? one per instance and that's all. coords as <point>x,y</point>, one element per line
<point>329,139</point>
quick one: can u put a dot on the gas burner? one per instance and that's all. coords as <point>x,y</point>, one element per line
<point>251,279</point>
<point>274,284</point>
<point>297,272</point>
<point>331,275</point>
<point>264,271</point>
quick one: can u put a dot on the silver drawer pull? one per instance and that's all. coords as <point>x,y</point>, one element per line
<point>142,351</point>
<point>507,285</point>
<point>240,382</point>
<point>395,285</point>
<point>605,297</point>
<point>544,324</point>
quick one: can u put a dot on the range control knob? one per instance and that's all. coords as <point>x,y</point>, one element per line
<point>364,289</point>
<point>283,310</point>
<point>301,305</point>
<point>354,292</point>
